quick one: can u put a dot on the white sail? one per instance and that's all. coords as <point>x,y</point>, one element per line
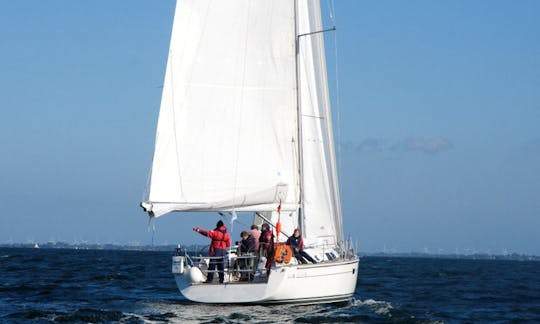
<point>227,128</point>
<point>227,134</point>
<point>321,203</point>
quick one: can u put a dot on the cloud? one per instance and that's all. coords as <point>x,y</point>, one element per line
<point>424,145</point>
<point>371,144</point>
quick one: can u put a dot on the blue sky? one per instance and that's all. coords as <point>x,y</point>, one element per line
<point>438,122</point>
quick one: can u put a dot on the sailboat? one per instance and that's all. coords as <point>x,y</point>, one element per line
<point>245,126</point>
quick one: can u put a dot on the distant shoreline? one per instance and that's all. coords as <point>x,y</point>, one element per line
<point>203,248</point>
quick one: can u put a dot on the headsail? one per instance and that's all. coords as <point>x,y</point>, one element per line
<point>321,202</point>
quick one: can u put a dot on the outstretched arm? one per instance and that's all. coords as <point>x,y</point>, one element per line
<point>201,231</point>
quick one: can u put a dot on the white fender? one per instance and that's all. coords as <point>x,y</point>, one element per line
<point>195,275</point>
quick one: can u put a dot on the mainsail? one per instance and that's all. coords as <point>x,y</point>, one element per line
<point>245,120</point>
<point>226,136</point>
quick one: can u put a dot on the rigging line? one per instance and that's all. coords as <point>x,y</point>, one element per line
<point>269,222</point>
<point>318,31</point>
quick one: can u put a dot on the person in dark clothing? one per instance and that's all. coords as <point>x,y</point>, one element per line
<point>247,244</point>
<point>218,249</point>
<point>297,245</point>
<point>246,248</point>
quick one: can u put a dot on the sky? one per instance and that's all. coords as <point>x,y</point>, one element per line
<point>436,113</point>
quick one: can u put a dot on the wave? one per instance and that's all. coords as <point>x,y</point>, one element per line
<point>379,307</point>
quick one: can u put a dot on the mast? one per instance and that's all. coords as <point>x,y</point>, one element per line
<point>299,120</point>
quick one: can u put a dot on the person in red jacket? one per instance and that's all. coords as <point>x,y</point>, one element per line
<point>221,240</point>
<point>266,246</point>
<point>266,240</point>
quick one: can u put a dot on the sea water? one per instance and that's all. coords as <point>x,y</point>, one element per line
<point>54,285</point>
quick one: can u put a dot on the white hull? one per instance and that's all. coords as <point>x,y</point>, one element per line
<point>310,283</point>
